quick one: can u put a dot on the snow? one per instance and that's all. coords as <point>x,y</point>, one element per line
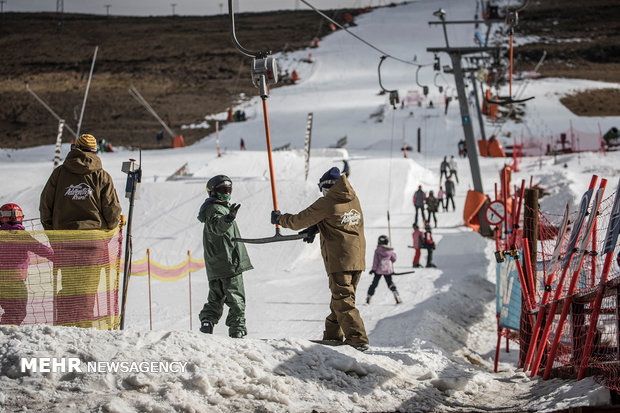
<point>433,352</point>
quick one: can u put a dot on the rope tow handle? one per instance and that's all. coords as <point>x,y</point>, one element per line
<point>512,20</point>
<point>264,72</point>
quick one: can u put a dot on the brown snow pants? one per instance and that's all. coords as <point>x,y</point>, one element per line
<point>344,321</point>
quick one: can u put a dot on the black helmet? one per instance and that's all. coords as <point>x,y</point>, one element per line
<point>218,181</point>
<point>383,240</point>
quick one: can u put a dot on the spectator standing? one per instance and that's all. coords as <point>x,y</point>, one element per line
<point>450,194</point>
<point>419,199</point>
<point>432,205</point>
<point>444,168</point>
<point>453,166</point>
<point>417,244</point>
<point>429,245</point>
<point>15,245</point>
<point>80,195</point>
<point>440,197</point>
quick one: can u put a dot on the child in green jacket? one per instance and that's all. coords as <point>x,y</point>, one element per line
<point>225,259</point>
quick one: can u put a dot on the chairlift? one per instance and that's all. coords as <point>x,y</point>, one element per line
<point>394,99</point>
<point>264,72</point>
<point>513,20</point>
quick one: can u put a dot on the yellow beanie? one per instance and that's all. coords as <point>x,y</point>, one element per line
<point>87,142</point>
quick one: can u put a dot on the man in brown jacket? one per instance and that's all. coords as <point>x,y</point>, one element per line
<point>337,216</point>
<point>79,195</point>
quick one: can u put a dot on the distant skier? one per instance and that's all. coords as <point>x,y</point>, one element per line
<point>444,168</point>
<point>417,244</point>
<point>462,148</point>
<point>432,205</point>
<point>419,199</point>
<point>338,217</point>
<point>440,197</point>
<point>450,193</point>
<point>382,267</point>
<point>453,167</point>
<point>429,245</point>
<point>242,145</point>
<point>225,260</point>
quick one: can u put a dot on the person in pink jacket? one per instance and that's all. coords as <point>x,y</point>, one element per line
<point>440,197</point>
<point>382,267</point>
<point>15,245</point>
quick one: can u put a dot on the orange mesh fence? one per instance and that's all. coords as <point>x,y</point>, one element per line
<point>67,278</point>
<point>603,355</point>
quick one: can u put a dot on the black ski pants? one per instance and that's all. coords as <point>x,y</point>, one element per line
<point>450,198</point>
<point>418,208</point>
<point>375,283</point>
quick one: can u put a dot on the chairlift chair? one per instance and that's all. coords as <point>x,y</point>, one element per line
<point>394,98</point>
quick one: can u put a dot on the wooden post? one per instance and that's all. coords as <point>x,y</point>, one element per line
<point>419,140</point>
<point>530,233</point>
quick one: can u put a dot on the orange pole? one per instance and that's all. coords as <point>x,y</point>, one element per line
<point>148,270</point>
<point>271,176</point>
<point>189,274</point>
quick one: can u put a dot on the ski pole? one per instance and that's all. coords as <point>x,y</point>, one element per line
<point>610,241</point>
<point>576,231</point>
<point>271,174</point>
<point>573,282</point>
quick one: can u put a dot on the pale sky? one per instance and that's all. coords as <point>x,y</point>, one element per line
<point>181,7</point>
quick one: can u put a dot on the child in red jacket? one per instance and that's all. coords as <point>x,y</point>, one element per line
<point>15,243</point>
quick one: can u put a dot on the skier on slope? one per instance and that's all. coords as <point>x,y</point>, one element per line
<point>338,217</point>
<point>444,168</point>
<point>419,200</point>
<point>225,260</point>
<point>382,267</point>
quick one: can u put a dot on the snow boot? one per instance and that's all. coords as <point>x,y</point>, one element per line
<point>237,334</point>
<point>368,297</point>
<point>397,297</point>
<point>431,265</point>
<point>206,327</point>
<point>361,347</point>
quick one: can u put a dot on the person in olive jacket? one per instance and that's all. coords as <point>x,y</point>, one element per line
<point>337,216</point>
<point>79,195</point>
<point>225,259</point>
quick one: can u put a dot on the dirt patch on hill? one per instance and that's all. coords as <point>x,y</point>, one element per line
<point>595,102</point>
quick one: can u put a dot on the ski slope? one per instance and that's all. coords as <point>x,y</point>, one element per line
<point>433,352</point>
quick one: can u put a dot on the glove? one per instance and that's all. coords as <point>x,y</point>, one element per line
<point>275,216</point>
<point>372,272</point>
<point>310,234</point>
<point>232,214</point>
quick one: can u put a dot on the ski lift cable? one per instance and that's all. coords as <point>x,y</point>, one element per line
<point>360,39</point>
<point>264,72</point>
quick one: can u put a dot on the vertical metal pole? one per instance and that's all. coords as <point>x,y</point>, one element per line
<point>472,152</point>
<point>419,140</point>
<point>61,126</point>
<point>217,138</point>
<point>474,81</point>
<point>189,277</point>
<point>148,270</point>
<point>90,76</point>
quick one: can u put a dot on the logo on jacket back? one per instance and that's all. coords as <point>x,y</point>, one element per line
<point>79,192</point>
<point>351,218</point>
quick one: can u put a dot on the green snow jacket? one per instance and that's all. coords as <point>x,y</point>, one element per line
<point>339,218</point>
<point>79,194</point>
<point>432,204</point>
<point>224,258</point>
